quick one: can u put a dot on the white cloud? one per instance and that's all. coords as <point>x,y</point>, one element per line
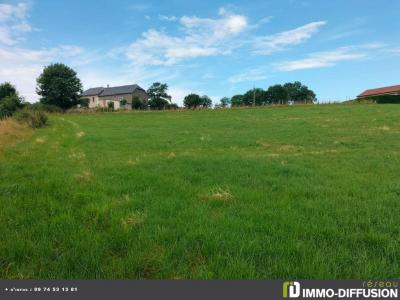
<point>280,41</point>
<point>373,45</point>
<point>5,36</point>
<point>10,12</point>
<point>264,20</point>
<point>13,23</point>
<point>201,37</point>
<point>139,7</point>
<point>393,50</point>
<point>22,66</point>
<point>255,74</point>
<point>167,18</point>
<point>321,59</point>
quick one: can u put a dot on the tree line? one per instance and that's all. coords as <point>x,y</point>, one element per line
<point>291,92</point>
<point>59,86</point>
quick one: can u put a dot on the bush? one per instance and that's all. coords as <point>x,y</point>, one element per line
<point>104,109</point>
<point>77,110</point>
<point>84,102</point>
<point>44,107</point>
<point>110,105</point>
<point>9,105</point>
<point>137,103</point>
<point>172,106</point>
<point>34,118</point>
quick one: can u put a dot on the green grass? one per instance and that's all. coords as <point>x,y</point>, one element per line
<point>291,192</point>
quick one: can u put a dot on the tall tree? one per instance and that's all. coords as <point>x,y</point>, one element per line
<point>256,96</point>
<point>158,96</point>
<point>192,101</point>
<point>8,105</point>
<point>206,101</point>
<point>7,89</point>
<point>59,85</point>
<point>9,100</point>
<point>237,100</point>
<point>297,92</point>
<point>225,101</point>
<point>277,94</point>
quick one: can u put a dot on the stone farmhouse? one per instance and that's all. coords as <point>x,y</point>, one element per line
<point>100,96</point>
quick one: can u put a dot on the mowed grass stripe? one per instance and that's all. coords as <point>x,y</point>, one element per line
<point>291,192</point>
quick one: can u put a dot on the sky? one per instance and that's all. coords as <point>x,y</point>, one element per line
<point>219,48</point>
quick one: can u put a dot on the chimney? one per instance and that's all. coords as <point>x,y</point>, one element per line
<point>108,85</point>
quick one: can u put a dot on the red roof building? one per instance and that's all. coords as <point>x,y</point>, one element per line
<point>388,90</point>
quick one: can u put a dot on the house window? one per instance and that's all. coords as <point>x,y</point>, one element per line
<point>92,99</point>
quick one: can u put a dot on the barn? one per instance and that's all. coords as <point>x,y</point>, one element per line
<point>388,90</point>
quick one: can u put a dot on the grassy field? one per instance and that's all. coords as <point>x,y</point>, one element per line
<point>290,192</point>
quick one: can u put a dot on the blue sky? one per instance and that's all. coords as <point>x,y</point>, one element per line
<point>219,48</point>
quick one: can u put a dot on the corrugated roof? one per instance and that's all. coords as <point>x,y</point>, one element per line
<point>93,91</point>
<point>117,90</point>
<point>380,91</point>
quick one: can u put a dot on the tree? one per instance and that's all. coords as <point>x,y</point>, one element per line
<point>254,95</point>
<point>59,85</point>
<point>7,89</point>
<point>158,95</point>
<point>308,95</point>
<point>158,103</point>
<point>225,101</point>
<point>172,106</point>
<point>136,103</point>
<point>84,102</point>
<point>237,100</point>
<point>9,104</point>
<point>298,92</point>
<point>123,102</point>
<point>192,101</point>
<point>277,94</point>
<point>206,101</point>
<point>9,100</point>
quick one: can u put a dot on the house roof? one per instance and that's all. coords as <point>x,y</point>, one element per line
<point>380,91</point>
<point>109,91</point>
<point>117,90</point>
<point>93,91</point>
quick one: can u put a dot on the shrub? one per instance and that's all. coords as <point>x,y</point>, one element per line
<point>84,102</point>
<point>77,110</point>
<point>9,105</point>
<point>44,107</point>
<point>34,118</point>
<point>172,106</point>
<point>158,103</point>
<point>110,105</point>
<point>137,103</point>
<point>104,109</point>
